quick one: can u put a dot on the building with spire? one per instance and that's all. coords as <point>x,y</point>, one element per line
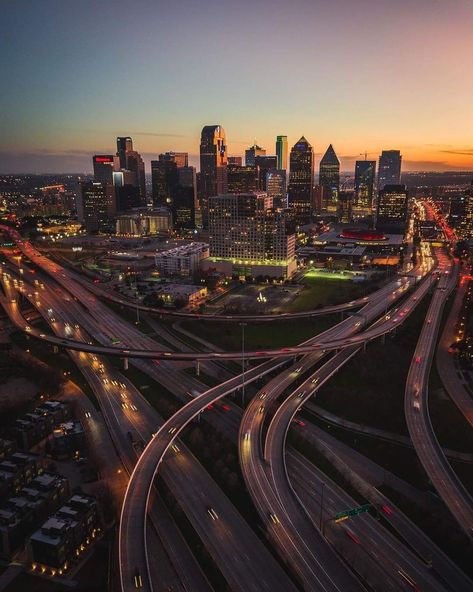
<point>301,181</point>
<point>329,179</point>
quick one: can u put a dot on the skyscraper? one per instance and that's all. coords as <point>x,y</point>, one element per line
<point>248,237</point>
<point>184,200</point>
<point>163,178</point>
<point>301,180</point>
<point>213,166</point>
<point>252,152</point>
<point>242,179</point>
<point>104,167</point>
<point>392,206</point>
<point>131,160</point>
<point>124,145</point>
<point>238,160</point>
<point>263,165</point>
<point>96,205</point>
<point>276,187</point>
<point>329,179</point>
<point>281,152</point>
<point>365,174</point>
<point>389,171</point>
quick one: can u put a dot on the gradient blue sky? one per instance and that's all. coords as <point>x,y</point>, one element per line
<point>362,74</point>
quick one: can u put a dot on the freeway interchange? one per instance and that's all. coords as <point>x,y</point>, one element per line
<point>312,550</point>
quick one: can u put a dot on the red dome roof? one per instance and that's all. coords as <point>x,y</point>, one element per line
<point>366,235</point>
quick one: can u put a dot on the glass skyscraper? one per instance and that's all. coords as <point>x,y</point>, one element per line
<point>301,181</point>
<point>213,166</point>
<point>389,171</point>
<point>329,179</point>
<point>281,152</point>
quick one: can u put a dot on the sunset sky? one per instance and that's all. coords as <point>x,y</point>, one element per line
<point>360,74</point>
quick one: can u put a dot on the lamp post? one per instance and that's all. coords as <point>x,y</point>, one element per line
<point>243,325</point>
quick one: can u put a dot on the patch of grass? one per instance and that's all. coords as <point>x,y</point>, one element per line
<point>260,335</point>
<point>369,389</point>
<point>320,292</point>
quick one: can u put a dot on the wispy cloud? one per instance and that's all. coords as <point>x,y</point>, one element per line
<point>464,152</point>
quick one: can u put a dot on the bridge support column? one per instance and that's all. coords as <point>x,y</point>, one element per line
<point>55,349</point>
<point>125,363</point>
<point>364,347</point>
<point>197,367</point>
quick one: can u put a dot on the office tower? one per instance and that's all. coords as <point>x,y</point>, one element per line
<point>281,152</point>
<point>329,179</point>
<point>131,160</point>
<point>184,199</point>
<point>104,167</point>
<point>460,215</point>
<point>96,205</point>
<point>301,180</point>
<point>213,166</point>
<point>365,174</point>
<point>241,179</point>
<point>124,145</point>
<point>263,165</point>
<point>389,171</point>
<point>164,178</point>
<point>238,160</point>
<point>344,207</point>
<point>276,187</point>
<point>392,206</point>
<point>252,152</point>
<point>248,237</point>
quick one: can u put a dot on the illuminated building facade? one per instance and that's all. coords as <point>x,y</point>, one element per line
<point>104,167</point>
<point>130,160</point>
<point>301,180</point>
<point>241,179</point>
<point>365,174</point>
<point>96,205</point>
<point>392,205</point>
<point>263,165</point>
<point>248,237</point>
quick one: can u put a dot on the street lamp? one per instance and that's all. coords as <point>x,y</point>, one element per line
<point>243,325</point>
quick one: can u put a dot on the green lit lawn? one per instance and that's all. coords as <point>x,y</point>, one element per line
<point>323,292</point>
<point>260,335</point>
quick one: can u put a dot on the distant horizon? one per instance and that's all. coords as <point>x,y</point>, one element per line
<point>363,76</point>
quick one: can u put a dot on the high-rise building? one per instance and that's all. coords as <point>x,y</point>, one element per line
<point>344,206</point>
<point>184,204</point>
<point>389,170</point>
<point>248,237</point>
<point>392,206</point>
<point>242,179</point>
<point>238,160</point>
<point>281,152</point>
<point>276,187</point>
<point>365,175</point>
<point>329,179</point>
<point>104,167</point>
<point>213,166</point>
<point>96,205</point>
<point>301,180</point>
<point>252,152</point>
<point>460,215</point>
<point>131,160</point>
<point>124,145</point>
<point>263,165</point>
<point>163,179</point>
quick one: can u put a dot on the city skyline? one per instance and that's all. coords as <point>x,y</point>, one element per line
<point>74,98</point>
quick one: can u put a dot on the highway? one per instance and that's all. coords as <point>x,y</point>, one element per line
<point>133,518</point>
<point>445,359</point>
<point>427,447</point>
<point>237,546</point>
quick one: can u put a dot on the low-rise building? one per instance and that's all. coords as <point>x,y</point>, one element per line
<point>68,439</point>
<point>187,295</point>
<point>183,260</point>
<point>144,222</point>
<point>63,538</point>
